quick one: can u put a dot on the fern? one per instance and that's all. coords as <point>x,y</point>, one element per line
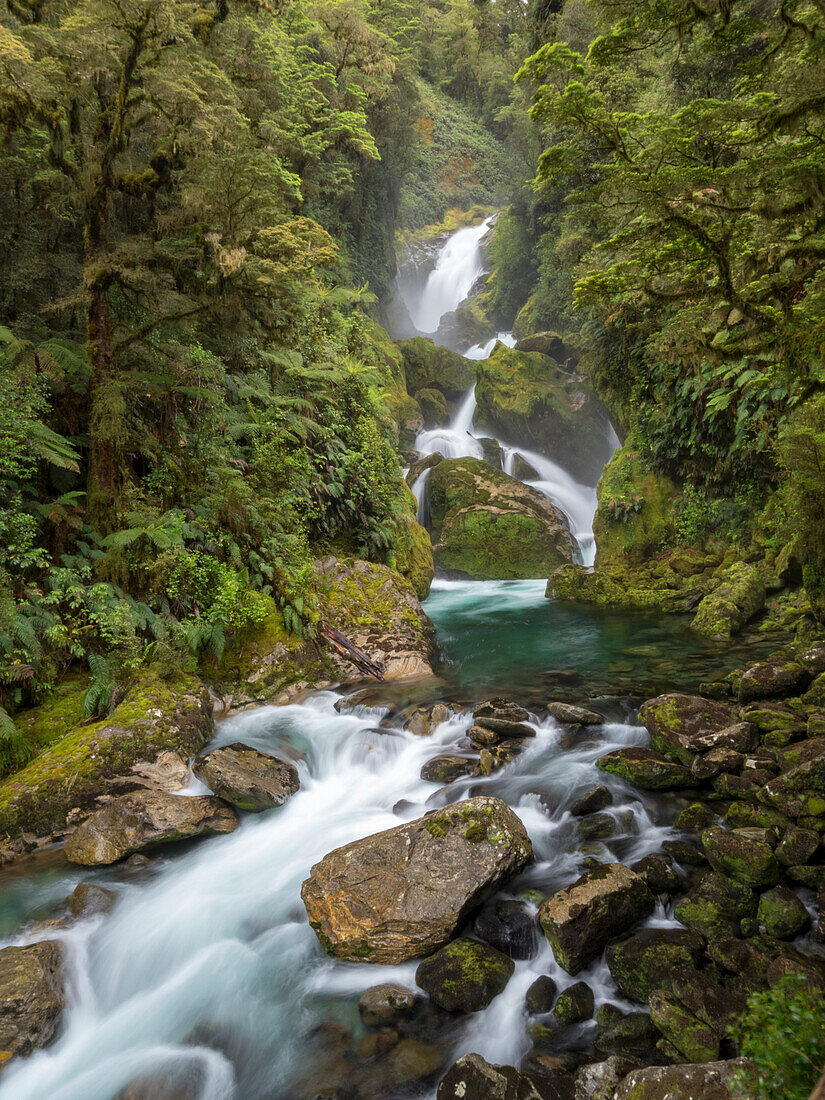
<point>102,687</point>
<point>15,748</point>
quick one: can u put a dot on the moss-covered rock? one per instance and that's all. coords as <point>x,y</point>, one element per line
<point>89,761</point>
<point>647,770</point>
<point>31,996</point>
<point>525,397</point>
<point>433,407</point>
<point>576,1003</point>
<point>740,857</point>
<point>715,906</point>
<point>782,914</point>
<point>650,959</point>
<point>710,1081</point>
<point>431,367</point>
<point>638,587</point>
<point>738,597</point>
<point>636,511</point>
<point>487,525</point>
<point>694,1039</point>
<point>61,712</point>
<point>779,675</point>
<point>465,975</point>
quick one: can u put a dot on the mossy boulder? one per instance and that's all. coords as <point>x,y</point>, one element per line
<point>403,892</point>
<point>581,919</point>
<point>628,1033</point>
<point>576,1003</point>
<point>708,1081</point>
<point>465,975</point>
<point>650,959</point>
<point>681,726</point>
<point>31,996</point>
<point>433,405</point>
<point>472,1078</point>
<point>526,398</point>
<point>782,914</point>
<point>715,906</point>
<point>740,857</point>
<point>636,511</point>
<point>692,1037</point>
<point>52,719</point>
<point>412,556</point>
<point>428,366</point>
<point>647,770</point>
<point>247,778</point>
<point>734,602</point>
<point>486,525</point>
<point>638,587</point>
<point>541,995</point>
<point>779,675</point>
<point>157,716</point>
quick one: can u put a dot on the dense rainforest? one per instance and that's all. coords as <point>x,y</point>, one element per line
<point>405,402</point>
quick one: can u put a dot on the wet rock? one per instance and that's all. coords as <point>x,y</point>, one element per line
<point>402,893</point>
<point>507,750</point>
<point>504,727</point>
<point>684,853</point>
<point>741,858</point>
<point>471,1078</point>
<point>31,996</point>
<point>446,769</point>
<point>709,1081</point>
<point>718,761</point>
<point>597,827</point>
<point>424,720</point>
<point>382,1005</point>
<point>782,914</point>
<point>791,961</point>
<point>465,975</point>
<point>797,846</point>
<point>581,919</point>
<point>143,819</point>
<point>171,1084</point>
<point>658,873</point>
<point>626,1033</point>
<point>777,676</point>
<point>695,816</point>
<point>599,798</point>
<point>599,1080</point>
<point>574,716</point>
<point>800,788</point>
<point>741,737</point>
<point>576,1003</point>
<point>510,927</point>
<point>688,1032</point>
<point>647,770</point>
<point>247,778</point>
<point>748,960</point>
<point>88,900</point>
<point>649,959</point>
<point>483,738</point>
<point>715,906</point>
<point>499,707</point>
<point>413,1060</point>
<point>681,726</point>
<point>733,603</point>
<point>541,996</point>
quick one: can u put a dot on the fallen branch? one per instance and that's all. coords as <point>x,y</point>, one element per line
<point>350,652</point>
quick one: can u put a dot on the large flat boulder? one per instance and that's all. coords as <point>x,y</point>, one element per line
<point>581,919</point>
<point>249,779</point>
<point>647,770</point>
<point>488,526</point>
<point>681,726</point>
<point>708,1081</point>
<point>143,819</point>
<point>402,893</point>
<point>31,996</point>
<point>735,600</point>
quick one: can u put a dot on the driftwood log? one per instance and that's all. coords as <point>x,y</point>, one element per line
<point>352,653</point>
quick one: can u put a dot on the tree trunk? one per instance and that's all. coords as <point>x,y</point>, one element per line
<point>106,410</point>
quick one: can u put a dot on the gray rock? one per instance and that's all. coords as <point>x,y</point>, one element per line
<point>31,996</point>
<point>574,716</point>
<point>382,1005</point>
<point>510,927</point>
<point>597,799</point>
<point>471,1078</point>
<point>541,996</point>
<point>403,892</point>
<point>249,779</point>
<point>446,769</point>
<point>706,1081</point>
<point>88,900</point>
<point>599,1080</point>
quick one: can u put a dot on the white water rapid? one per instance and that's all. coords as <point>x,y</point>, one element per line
<point>207,973</point>
<point>458,266</point>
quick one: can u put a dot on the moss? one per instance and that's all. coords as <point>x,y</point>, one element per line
<point>635,587</point>
<point>429,367</point>
<point>737,599</point>
<point>51,720</point>
<point>157,714</point>
<point>636,510</point>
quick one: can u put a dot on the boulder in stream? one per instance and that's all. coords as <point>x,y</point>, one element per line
<point>140,820</point>
<point>403,892</point>
<point>249,779</point>
<point>647,770</point>
<point>681,726</point>
<point>581,919</point>
<point>708,1081</point>
<point>31,996</point>
<point>472,1078</point>
<point>569,715</point>
<point>465,975</point>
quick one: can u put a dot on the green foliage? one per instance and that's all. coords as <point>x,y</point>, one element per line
<point>782,1032</point>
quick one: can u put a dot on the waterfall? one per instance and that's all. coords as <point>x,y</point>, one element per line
<point>459,265</point>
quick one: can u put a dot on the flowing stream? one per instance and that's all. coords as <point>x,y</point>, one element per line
<point>458,266</point>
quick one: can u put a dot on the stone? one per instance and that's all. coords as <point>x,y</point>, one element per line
<point>143,819</point>
<point>658,873</point>
<point>649,959</point>
<point>576,1003</point>
<point>31,996</point>
<point>599,1080</point>
<point>782,914</point>
<point>574,716</point>
<point>741,737</point>
<point>90,900</point>
<point>382,1005</point>
<point>541,996</point>
<point>735,601</point>
<point>599,798</point>
<point>681,726</point>
<point>693,1038</point>
<point>695,816</point>
<point>647,770</point>
<point>472,1078</point>
<point>504,727</point>
<point>413,1060</point>
<point>715,906</point>
<point>626,1033</point>
<point>501,708</point>
<point>465,975</point>
<point>510,927</point>
<point>708,1081</point>
<point>446,769</point>
<point>486,525</point>
<point>773,678</point>
<point>424,720</point>
<point>797,846</point>
<point>684,853</point>
<point>775,717</point>
<point>247,778</point>
<point>746,861</point>
<point>581,919</point>
<point>403,892</point>
<point>597,827</point>
<point>717,762</point>
<point>799,791</point>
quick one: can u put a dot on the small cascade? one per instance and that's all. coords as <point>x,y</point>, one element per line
<point>459,265</point>
<point>484,351</point>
